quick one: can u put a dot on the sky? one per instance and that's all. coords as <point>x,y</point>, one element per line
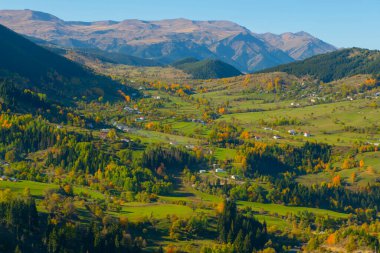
<point>343,23</point>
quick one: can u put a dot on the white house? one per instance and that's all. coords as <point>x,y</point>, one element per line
<point>202,171</point>
<point>306,134</point>
<point>219,170</point>
<point>140,119</point>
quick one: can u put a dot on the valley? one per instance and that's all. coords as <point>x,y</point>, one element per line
<point>125,149</point>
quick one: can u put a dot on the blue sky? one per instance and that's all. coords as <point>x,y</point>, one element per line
<point>343,23</point>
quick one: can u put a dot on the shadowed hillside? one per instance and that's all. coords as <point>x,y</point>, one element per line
<point>336,65</point>
<point>206,69</point>
<point>45,72</point>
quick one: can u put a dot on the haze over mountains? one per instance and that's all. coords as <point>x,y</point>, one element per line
<point>170,40</point>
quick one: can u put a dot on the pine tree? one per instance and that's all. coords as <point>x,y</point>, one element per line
<point>239,242</point>
<point>247,246</point>
<point>17,250</point>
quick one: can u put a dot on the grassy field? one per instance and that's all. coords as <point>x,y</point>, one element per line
<point>271,213</point>
<point>271,221</point>
<point>37,189</point>
<point>326,122</point>
<point>364,176</point>
<point>158,137</point>
<point>136,211</point>
<point>284,210</point>
<point>225,154</point>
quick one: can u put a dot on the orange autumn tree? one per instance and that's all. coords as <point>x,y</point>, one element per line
<point>150,125</point>
<point>370,81</point>
<point>245,135</point>
<point>353,177</point>
<point>125,96</point>
<point>331,239</point>
<point>220,207</point>
<point>336,181</point>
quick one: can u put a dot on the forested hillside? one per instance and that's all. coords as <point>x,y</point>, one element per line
<point>42,71</point>
<point>336,65</point>
<point>206,69</point>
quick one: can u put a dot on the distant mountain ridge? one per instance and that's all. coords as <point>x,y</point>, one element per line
<point>170,40</point>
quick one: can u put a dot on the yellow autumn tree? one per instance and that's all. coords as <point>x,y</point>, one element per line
<point>112,134</point>
<point>346,164</point>
<point>277,84</point>
<point>370,170</point>
<point>247,80</point>
<point>353,177</point>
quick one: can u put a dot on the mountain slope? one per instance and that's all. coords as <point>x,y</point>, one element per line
<point>46,72</point>
<point>246,52</point>
<point>108,57</point>
<point>169,40</point>
<point>335,65</point>
<point>299,45</point>
<point>206,69</point>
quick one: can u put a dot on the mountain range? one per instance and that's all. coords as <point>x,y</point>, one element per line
<point>167,41</point>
